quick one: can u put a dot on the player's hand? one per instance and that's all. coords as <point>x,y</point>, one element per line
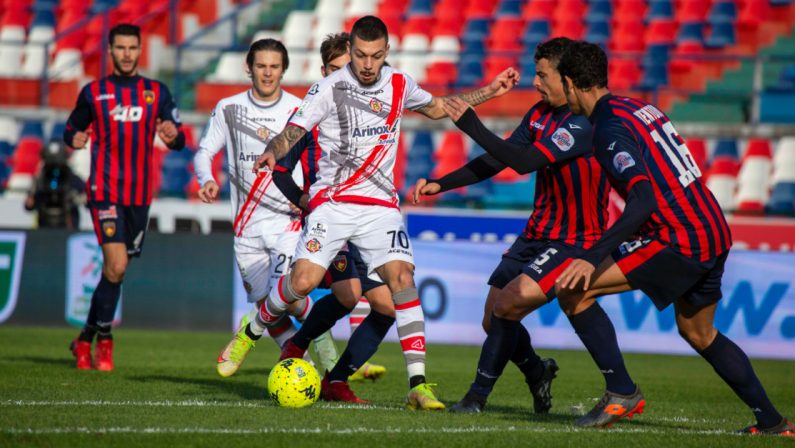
<point>80,139</point>
<point>424,188</point>
<point>209,191</point>
<point>504,82</point>
<point>578,270</point>
<point>267,159</point>
<point>167,131</point>
<point>455,107</point>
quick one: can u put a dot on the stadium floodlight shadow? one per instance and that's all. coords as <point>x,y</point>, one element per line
<point>248,390</point>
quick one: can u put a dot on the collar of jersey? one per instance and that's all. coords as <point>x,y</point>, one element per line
<point>259,104</point>
<point>124,80</point>
<point>601,103</point>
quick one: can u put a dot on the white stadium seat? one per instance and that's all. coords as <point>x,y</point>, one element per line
<point>230,69</point>
<point>784,161</point>
<point>444,49</point>
<point>297,29</point>
<point>68,65</point>
<point>12,44</point>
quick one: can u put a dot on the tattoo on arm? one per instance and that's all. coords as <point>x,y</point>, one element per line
<point>281,144</point>
<point>475,97</point>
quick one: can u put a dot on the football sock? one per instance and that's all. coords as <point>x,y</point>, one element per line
<point>325,313</point>
<point>103,307</point>
<point>525,357</point>
<point>599,337</point>
<point>281,296</point>
<point>362,345</point>
<point>282,330</point>
<point>497,349</point>
<point>411,330</point>
<point>301,308</point>
<point>734,367</point>
<point>358,313</point>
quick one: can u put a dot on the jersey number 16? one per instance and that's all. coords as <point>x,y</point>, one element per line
<point>681,158</point>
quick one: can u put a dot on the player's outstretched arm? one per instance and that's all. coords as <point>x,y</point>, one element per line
<point>279,147</point>
<point>504,82</point>
<point>477,170</point>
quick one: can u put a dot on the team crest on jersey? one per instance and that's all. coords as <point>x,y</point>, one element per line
<point>149,97</point>
<point>563,139</point>
<point>313,90</point>
<point>376,105</point>
<point>622,161</point>
<point>313,245</point>
<point>340,263</point>
<point>263,133</point>
<point>109,228</point>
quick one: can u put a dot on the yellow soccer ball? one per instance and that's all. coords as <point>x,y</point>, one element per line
<point>294,383</point>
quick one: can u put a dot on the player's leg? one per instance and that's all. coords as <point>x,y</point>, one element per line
<point>372,330</point>
<point>695,316</point>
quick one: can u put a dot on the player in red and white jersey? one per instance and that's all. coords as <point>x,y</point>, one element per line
<point>266,227</point>
<point>357,111</point>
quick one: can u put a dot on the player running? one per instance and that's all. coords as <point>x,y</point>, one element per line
<point>125,111</point>
<point>569,214</point>
<point>266,229</point>
<point>357,111</point>
<point>671,242</point>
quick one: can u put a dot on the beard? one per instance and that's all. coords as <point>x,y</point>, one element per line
<point>118,68</point>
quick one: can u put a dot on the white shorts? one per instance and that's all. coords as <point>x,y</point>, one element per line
<point>377,231</point>
<point>262,260</point>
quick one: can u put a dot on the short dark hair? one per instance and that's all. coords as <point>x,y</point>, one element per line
<point>267,45</point>
<point>369,28</point>
<point>334,46</point>
<point>553,49</point>
<point>124,29</point>
<point>586,64</point>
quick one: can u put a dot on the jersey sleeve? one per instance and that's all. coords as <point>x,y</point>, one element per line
<point>619,154</point>
<point>416,96</point>
<point>521,136</point>
<point>317,104</point>
<point>573,138</point>
<point>288,163</point>
<point>212,140</point>
<point>80,117</point>
<point>168,108</point>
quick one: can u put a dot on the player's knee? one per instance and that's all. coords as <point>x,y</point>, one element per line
<point>114,270</point>
<point>568,302</point>
<point>403,279</point>
<point>504,308</point>
<point>698,338</point>
<point>301,284</point>
<point>486,322</point>
<point>347,300</point>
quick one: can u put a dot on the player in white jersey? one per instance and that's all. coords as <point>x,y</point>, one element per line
<point>266,227</point>
<point>357,111</point>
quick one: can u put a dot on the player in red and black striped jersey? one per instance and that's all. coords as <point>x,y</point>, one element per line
<point>671,242</point>
<point>122,112</point>
<point>569,216</point>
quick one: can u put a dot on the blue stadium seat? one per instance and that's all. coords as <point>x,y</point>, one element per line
<point>474,47</point>
<point>527,70</point>
<point>692,32</point>
<point>600,11</point>
<point>660,9</point>
<point>726,148</point>
<point>470,70</point>
<point>44,5</point>
<point>786,81</point>
<point>419,160</point>
<point>102,5</point>
<point>723,34</point>
<point>57,132</point>
<point>420,7</point>
<point>656,54</point>
<point>43,17</point>
<point>776,107</point>
<point>5,173</point>
<point>722,12</point>
<point>32,129</point>
<point>654,76</point>
<point>509,8</point>
<point>598,32</point>
<point>782,199</point>
<point>475,29</point>
<point>536,31</point>
<point>176,176</point>
<point>6,149</point>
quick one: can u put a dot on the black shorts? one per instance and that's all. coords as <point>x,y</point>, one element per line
<point>115,223</point>
<point>541,260</point>
<point>666,275</point>
<point>347,265</point>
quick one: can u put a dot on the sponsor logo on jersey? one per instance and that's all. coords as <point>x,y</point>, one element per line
<point>248,157</point>
<point>574,126</point>
<point>563,139</point>
<point>372,131</point>
<point>313,245</point>
<point>376,105</point>
<point>104,97</point>
<point>313,90</point>
<point>537,125</point>
<point>318,230</point>
<point>340,263</point>
<point>263,133</point>
<point>109,228</point>
<point>109,213</point>
<point>622,161</point>
<point>149,97</point>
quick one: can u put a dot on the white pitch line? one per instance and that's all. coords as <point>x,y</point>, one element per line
<point>188,403</point>
<point>348,431</point>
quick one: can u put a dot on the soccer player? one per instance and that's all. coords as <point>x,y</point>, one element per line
<point>265,227</point>
<point>671,242</point>
<point>569,215</point>
<point>125,111</point>
<point>357,111</point>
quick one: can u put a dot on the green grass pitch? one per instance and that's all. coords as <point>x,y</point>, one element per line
<point>165,392</point>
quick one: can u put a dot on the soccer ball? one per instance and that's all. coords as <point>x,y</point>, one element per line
<point>294,383</point>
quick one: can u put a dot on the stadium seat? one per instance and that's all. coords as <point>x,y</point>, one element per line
<point>476,29</point>
<point>34,57</point>
<point>692,11</point>
<point>420,24</point>
<point>296,30</point>
<point>474,48</point>
<point>361,8</point>
<point>660,9</point>
<point>754,177</point>
<point>494,64</point>
<point>723,11</point>
<point>722,182</point>
<point>571,27</point>
<point>656,54</point>
<point>470,70</point>
<point>444,49</point>
<point>660,31</point>
<point>628,10</point>
<point>538,9</point>
<point>726,148</point>
<point>691,32</point>
<point>509,8</point>
<point>784,161</point>
<point>230,68</point>
<point>440,74</point>
<point>32,129</point>
<point>722,35</point>
<point>698,150</point>
<point>325,25</point>
<point>419,161</point>
<point>598,32</point>
<point>479,9</point>
<point>623,74</point>
<point>413,57</point>
<point>420,7</point>
<point>655,76</point>
<point>297,73</point>
<point>527,70</point>
<point>536,31</point>
<point>567,10</point>
<point>599,11</point>
<point>450,154</point>
<point>9,130</point>
<point>26,156</point>
<point>67,65</point>
<point>12,41</point>
<point>782,199</point>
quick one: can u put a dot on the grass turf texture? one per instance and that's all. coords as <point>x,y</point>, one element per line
<point>165,391</point>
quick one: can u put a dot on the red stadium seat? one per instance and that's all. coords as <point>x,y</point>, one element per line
<point>441,74</point>
<point>692,11</point>
<point>25,159</point>
<point>494,65</point>
<point>623,74</point>
<point>629,10</point>
<point>505,34</point>
<point>479,9</point>
<point>388,8</point>
<point>660,31</point>
<point>450,155</point>
<point>447,26</point>
<point>538,9</point>
<point>569,9</point>
<point>758,147</point>
<point>417,25</point>
<point>572,28</point>
<point>698,149</point>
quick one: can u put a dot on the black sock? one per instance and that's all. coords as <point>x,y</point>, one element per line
<point>734,367</point>
<point>103,307</point>
<point>325,313</point>
<point>599,336</point>
<point>416,380</point>
<point>498,348</point>
<point>250,334</point>
<point>526,358</point>
<point>103,333</point>
<point>362,345</point>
